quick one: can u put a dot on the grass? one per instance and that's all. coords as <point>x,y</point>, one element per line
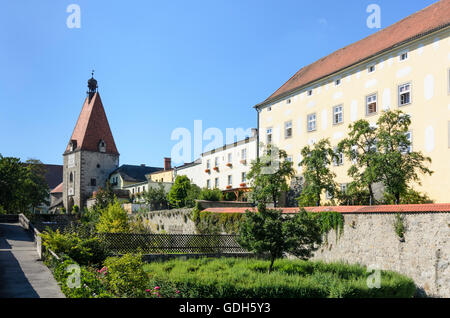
<point>248,278</point>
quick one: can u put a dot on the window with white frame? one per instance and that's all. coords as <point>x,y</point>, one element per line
<point>269,135</point>
<point>230,157</point>
<point>216,182</point>
<point>208,164</point>
<point>371,104</point>
<point>354,154</point>
<point>329,195</point>
<point>269,109</point>
<point>311,122</point>
<point>244,177</point>
<point>244,154</point>
<point>339,160</point>
<point>338,114</point>
<point>371,68</point>
<point>404,94</point>
<point>309,93</point>
<point>230,179</point>
<point>407,148</point>
<point>216,161</point>
<point>343,187</point>
<point>337,82</point>
<point>288,129</point>
<point>403,56</point>
<point>208,184</point>
<point>288,101</point>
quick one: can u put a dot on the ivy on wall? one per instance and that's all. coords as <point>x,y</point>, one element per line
<point>216,223</point>
<point>331,221</point>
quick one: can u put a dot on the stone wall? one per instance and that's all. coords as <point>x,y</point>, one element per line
<point>176,221</point>
<point>203,204</point>
<point>370,239</point>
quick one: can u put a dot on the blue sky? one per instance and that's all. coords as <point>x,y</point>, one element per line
<point>160,64</point>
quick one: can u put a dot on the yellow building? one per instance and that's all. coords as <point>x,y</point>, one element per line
<point>406,66</point>
<point>166,175</point>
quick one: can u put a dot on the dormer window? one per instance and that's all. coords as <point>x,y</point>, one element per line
<point>73,145</point>
<point>102,146</point>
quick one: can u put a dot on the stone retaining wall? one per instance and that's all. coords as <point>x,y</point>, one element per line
<point>176,221</point>
<point>370,239</point>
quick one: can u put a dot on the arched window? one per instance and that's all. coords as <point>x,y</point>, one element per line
<point>71,177</point>
<point>102,146</point>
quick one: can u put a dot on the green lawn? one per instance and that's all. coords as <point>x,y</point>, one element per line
<point>248,278</point>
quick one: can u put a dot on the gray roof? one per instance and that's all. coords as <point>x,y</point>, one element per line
<point>133,173</point>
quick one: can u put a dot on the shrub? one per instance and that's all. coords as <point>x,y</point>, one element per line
<point>211,195</point>
<point>90,285</point>
<point>125,275</point>
<point>248,278</point>
<point>268,231</point>
<point>84,251</point>
<point>113,219</point>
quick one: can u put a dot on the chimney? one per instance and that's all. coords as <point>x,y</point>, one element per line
<point>167,164</point>
<point>254,132</point>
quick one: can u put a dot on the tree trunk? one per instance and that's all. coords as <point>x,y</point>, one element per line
<point>372,198</point>
<point>272,260</point>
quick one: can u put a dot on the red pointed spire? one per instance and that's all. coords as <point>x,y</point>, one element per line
<point>92,127</point>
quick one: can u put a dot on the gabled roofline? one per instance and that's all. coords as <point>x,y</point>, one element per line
<point>281,96</point>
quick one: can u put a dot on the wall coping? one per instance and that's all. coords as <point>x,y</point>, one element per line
<point>358,209</point>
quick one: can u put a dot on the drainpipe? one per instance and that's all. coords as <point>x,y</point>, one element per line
<point>257,133</point>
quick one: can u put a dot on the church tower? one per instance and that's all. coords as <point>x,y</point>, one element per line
<point>91,154</point>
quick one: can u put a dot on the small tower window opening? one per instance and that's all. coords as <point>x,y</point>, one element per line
<point>93,182</point>
<point>71,177</point>
<point>102,146</point>
<point>73,145</point>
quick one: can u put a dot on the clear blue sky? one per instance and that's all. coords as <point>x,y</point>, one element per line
<point>160,64</point>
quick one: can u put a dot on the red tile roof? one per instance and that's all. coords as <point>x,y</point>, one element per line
<point>427,20</point>
<point>58,188</point>
<point>403,208</point>
<point>92,126</point>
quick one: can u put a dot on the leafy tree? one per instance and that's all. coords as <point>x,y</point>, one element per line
<point>22,185</point>
<point>355,194</point>
<point>192,195</point>
<point>156,197</point>
<point>409,197</point>
<point>105,196</point>
<point>211,195</point>
<point>398,166</point>
<point>36,187</point>
<point>361,148</point>
<point>316,172</point>
<point>269,175</point>
<point>183,193</point>
<point>113,219</point>
<point>267,231</point>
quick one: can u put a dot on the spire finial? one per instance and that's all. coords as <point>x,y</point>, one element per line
<point>92,85</point>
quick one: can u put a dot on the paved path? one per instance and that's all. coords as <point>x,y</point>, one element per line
<point>22,275</point>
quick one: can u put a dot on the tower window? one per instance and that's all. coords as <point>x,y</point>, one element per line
<point>71,177</point>
<point>102,146</point>
<point>93,182</point>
